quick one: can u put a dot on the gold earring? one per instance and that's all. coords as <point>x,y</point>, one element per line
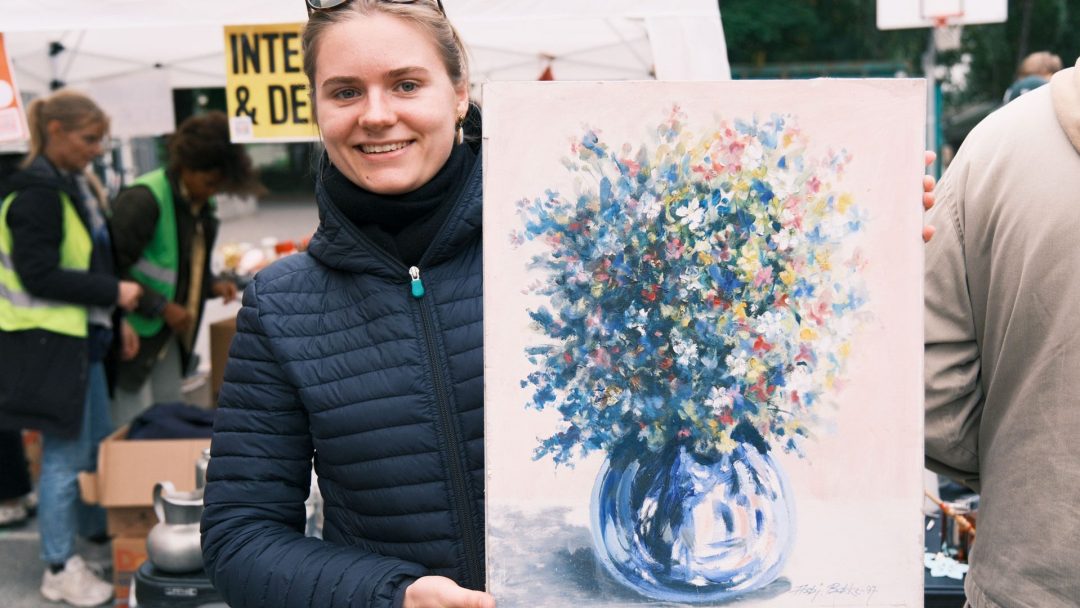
<point>460,125</point>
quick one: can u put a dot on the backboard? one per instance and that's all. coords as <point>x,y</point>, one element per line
<point>904,14</point>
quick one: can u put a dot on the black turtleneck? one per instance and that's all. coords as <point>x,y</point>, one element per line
<point>403,224</point>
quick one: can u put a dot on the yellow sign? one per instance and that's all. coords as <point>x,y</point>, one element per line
<point>266,90</point>
<point>12,120</point>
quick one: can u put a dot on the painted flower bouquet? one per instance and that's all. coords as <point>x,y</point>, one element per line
<point>702,290</point>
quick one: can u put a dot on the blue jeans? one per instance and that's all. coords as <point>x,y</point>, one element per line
<point>61,513</point>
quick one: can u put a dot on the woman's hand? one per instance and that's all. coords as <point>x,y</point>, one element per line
<point>928,183</point>
<point>441,592</point>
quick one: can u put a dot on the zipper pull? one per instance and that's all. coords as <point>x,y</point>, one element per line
<point>416,284</point>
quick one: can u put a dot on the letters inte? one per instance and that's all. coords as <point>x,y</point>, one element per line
<point>250,50</point>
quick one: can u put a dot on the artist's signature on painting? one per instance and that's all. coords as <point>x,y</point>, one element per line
<point>847,594</point>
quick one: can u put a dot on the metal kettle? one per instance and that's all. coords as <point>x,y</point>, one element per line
<point>200,468</point>
<point>174,544</point>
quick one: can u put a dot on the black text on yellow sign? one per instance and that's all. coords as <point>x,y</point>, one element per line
<point>266,89</point>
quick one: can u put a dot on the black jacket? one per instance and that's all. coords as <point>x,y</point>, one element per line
<point>43,376</point>
<point>133,222</point>
<point>335,358</point>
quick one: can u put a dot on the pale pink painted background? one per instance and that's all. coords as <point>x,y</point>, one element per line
<point>859,489</point>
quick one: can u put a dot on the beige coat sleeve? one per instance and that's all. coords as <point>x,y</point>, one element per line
<point>954,396</point>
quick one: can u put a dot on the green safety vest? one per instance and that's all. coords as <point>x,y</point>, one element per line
<point>19,310</point>
<point>160,262</point>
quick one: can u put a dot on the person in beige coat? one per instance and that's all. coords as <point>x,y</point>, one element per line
<point>1003,345</point>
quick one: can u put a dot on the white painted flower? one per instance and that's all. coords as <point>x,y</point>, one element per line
<point>753,152</point>
<point>737,365</point>
<point>800,378</point>
<point>709,362</point>
<point>692,215</point>
<point>770,324</point>
<point>718,399</point>
<point>784,239</point>
<point>686,351</point>
<point>651,207</point>
<point>702,245</point>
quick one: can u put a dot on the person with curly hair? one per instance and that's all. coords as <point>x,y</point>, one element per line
<point>164,227</point>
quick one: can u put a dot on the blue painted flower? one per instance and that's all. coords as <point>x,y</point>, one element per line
<point>699,290</point>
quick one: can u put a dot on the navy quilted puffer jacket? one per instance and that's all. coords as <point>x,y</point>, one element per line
<point>335,358</point>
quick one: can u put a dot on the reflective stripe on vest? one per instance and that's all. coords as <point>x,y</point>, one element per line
<point>20,310</point>
<point>160,262</point>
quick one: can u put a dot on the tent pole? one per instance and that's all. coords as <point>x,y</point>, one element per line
<point>55,50</point>
<point>127,162</point>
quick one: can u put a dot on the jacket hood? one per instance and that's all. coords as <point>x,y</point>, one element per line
<point>40,173</point>
<point>1065,92</point>
<point>339,244</point>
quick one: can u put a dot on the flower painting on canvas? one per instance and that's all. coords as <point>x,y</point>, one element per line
<point>700,315</point>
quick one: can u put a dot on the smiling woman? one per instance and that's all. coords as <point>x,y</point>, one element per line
<point>387,118</point>
<point>367,352</point>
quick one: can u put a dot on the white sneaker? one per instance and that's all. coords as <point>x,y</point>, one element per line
<point>30,501</point>
<point>76,585</point>
<point>13,514</point>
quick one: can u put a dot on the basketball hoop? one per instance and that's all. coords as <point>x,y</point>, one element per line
<point>948,33</point>
<point>947,17</point>
<point>909,14</point>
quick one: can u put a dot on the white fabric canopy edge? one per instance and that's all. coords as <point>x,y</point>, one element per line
<point>184,38</point>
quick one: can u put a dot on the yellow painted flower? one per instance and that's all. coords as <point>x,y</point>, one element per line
<point>740,311</point>
<point>844,202</point>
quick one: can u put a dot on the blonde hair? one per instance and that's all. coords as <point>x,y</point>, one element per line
<point>1042,63</point>
<point>424,13</point>
<point>72,110</point>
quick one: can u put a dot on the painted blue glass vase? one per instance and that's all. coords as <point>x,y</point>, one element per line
<point>678,527</point>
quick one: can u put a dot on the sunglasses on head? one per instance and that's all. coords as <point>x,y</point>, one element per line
<point>326,5</point>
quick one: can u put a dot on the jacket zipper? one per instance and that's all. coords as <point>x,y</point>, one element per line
<point>462,499</point>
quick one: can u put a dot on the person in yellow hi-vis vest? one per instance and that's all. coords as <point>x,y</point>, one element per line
<point>164,229</point>
<point>58,291</point>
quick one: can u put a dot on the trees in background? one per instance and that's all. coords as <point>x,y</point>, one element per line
<point>761,33</point>
<point>1033,25</point>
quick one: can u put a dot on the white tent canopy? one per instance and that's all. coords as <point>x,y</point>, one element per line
<point>508,39</point>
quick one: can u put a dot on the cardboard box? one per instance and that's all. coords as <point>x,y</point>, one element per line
<point>128,554</point>
<point>126,475</point>
<point>127,471</point>
<point>221,335</point>
<point>132,522</point>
